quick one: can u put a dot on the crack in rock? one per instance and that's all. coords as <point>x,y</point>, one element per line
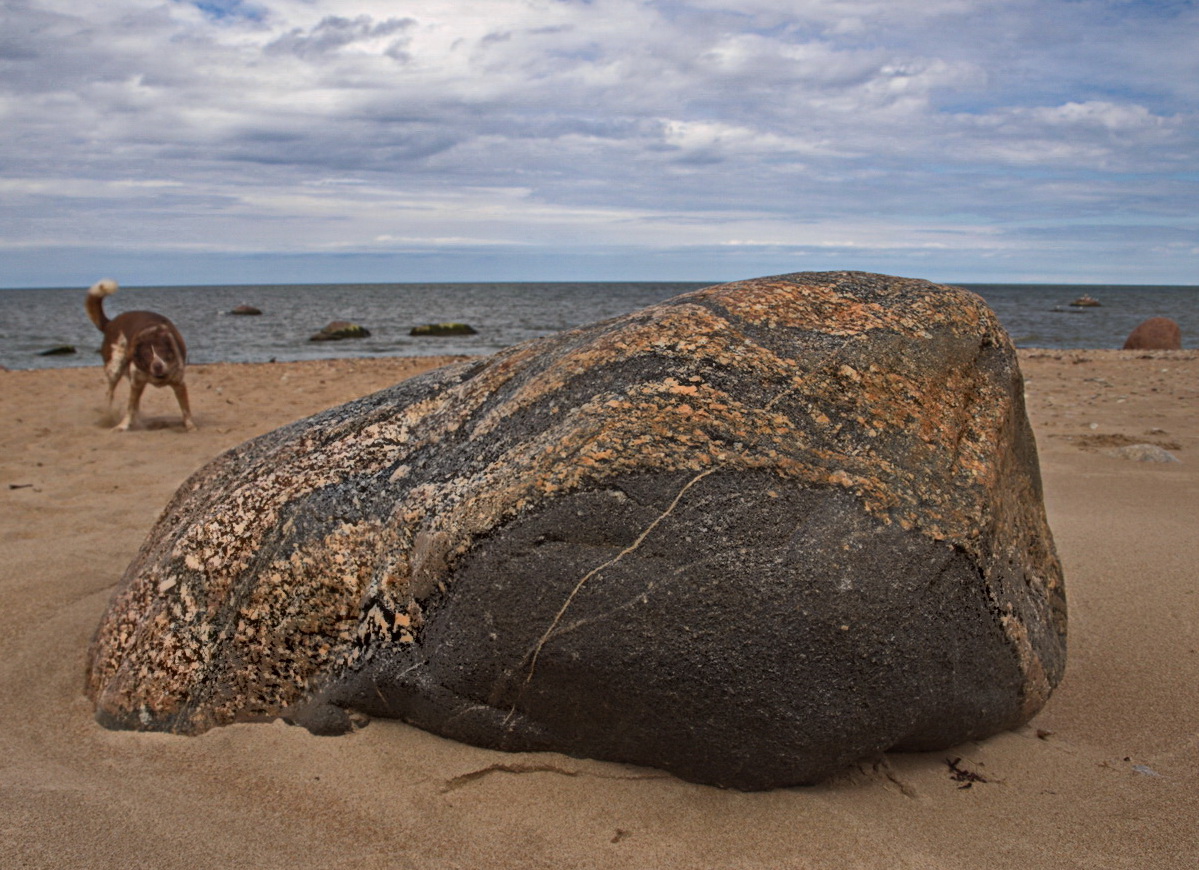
<point>631,548</point>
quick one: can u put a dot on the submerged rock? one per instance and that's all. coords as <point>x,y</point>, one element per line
<point>1156,333</point>
<point>339,329</point>
<point>58,350</point>
<point>748,535</point>
<point>246,311</point>
<point>439,329</point>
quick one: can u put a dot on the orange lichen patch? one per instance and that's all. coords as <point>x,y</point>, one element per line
<point>785,305</point>
<point>311,599</point>
<point>827,309</point>
<point>683,332</point>
<point>1036,683</point>
<point>146,656</point>
<point>295,617</point>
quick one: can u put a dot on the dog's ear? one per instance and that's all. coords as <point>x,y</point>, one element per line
<point>165,344</point>
<point>178,348</point>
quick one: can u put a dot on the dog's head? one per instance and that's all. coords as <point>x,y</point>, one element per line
<point>157,354</point>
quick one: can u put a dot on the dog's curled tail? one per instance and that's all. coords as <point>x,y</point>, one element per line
<point>95,301</point>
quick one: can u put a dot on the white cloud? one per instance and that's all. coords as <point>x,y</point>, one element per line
<point>1096,134</point>
<point>310,124</point>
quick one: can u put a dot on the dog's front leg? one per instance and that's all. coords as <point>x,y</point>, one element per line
<point>181,397</point>
<point>136,387</point>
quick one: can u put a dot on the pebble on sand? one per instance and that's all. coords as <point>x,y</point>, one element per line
<point>1143,453</point>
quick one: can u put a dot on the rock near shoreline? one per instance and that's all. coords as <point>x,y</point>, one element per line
<point>1156,333</point>
<point>339,330</point>
<point>436,330</point>
<point>748,535</point>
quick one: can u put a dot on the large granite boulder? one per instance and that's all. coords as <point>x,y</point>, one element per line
<point>749,535</point>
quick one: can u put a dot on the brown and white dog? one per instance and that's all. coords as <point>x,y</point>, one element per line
<point>142,344</point>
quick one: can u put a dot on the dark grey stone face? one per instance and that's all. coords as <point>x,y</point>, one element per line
<point>748,536</point>
<point>757,621</point>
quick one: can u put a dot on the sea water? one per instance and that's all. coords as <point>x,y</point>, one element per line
<point>35,320</point>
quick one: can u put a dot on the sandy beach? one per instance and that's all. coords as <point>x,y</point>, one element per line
<point>1107,776</point>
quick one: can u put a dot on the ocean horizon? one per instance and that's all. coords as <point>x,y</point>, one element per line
<point>36,320</point>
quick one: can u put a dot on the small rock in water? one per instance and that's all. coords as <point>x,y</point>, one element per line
<point>246,310</point>
<point>749,535</point>
<point>1143,453</point>
<point>1156,333</point>
<point>439,329</point>
<point>340,329</point>
<point>60,350</point>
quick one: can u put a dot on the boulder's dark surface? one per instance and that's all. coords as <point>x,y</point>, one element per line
<point>1156,333</point>
<point>246,311</point>
<point>58,350</point>
<point>439,329</point>
<point>749,535</point>
<point>340,329</point>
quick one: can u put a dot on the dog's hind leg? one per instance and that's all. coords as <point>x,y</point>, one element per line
<point>112,389</point>
<point>181,397</point>
<point>116,367</point>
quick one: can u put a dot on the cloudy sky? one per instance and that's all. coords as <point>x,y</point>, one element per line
<point>232,141</point>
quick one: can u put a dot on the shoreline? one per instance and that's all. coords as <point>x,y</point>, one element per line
<point>1106,776</point>
<point>419,359</point>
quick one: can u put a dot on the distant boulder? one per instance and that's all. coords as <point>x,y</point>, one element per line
<point>1156,333</point>
<point>246,310</point>
<point>339,329</point>
<point>1086,302</point>
<point>60,350</point>
<point>439,329</point>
